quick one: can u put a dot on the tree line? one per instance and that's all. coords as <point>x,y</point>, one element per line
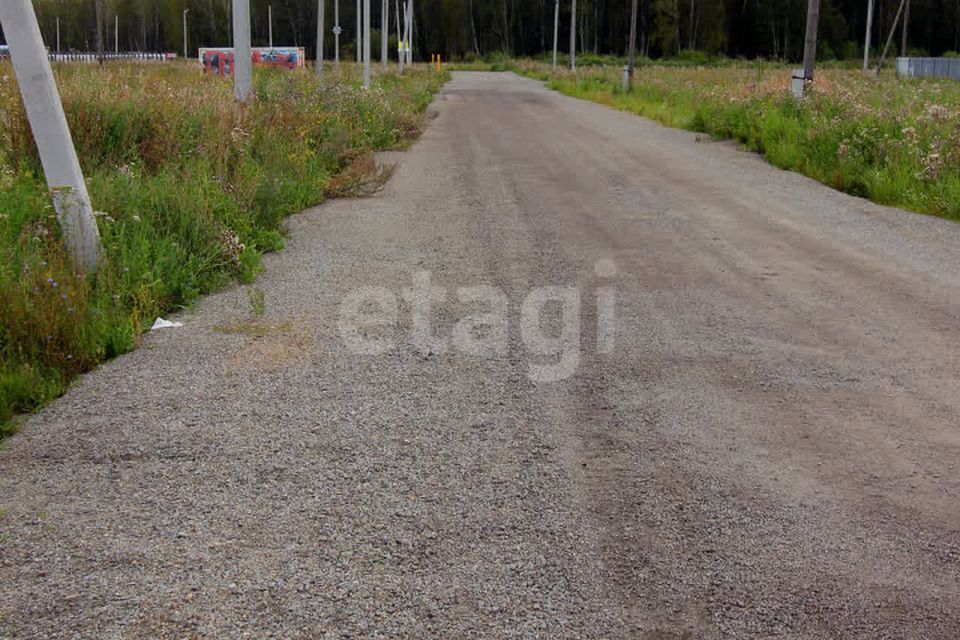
<point>771,29</point>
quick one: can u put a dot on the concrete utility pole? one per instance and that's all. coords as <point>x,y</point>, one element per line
<point>906,22</point>
<point>410,36</point>
<point>242,63</point>
<point>270,25</point>
<point>893,30</point>
<point>320,17</point>
<point>359,32</point>
<point>336,35</point>
<point>366,44</point>
<point>632,52</point>
<point>98,11</point>
<point>185,12</point>
<point>396,10</point>
<point>116,34</point>
<point>573,35</point>
<point>866,44</point>
<point>810,43</point>
<point>556,30</point>
<point>58,34</point>
<point>51,133</point>
<point>384,33</point>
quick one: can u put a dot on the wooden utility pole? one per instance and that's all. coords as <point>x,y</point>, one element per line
<point>320,28</point>
<point>242,63</point>
<point>51,133</point>
<point>810,43</point>
<point>866,44</point>
<point>632,52</point>
<point>573,34</point>
<point>556,30</point>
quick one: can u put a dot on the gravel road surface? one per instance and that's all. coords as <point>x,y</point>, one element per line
<point>769,450</point>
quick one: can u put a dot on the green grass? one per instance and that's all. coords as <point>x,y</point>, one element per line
<point>891,141</point>
<point>190,190</point>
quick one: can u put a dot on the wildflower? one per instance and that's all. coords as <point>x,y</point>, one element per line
<point>938,112</point>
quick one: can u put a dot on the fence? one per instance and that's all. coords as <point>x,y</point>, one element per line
<point>929,68</point>
<point>88,56</point>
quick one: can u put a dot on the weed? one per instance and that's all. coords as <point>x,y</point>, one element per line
<point>257,304</point>
<point>252,329</point>
<point>194,188</point>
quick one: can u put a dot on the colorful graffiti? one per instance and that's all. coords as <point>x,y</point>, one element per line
<point>219,60</point>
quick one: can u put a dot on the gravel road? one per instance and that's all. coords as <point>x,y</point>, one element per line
<point>769,450</point>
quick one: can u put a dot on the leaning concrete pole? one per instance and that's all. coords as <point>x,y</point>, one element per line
<point>866,44</point>
<point>51,133</point>
<point>810,43</point>
<point>556,30</point>
<point>366,44</point>
<point>320,17</point>
<point>573,35</point>
<point>242,63</point>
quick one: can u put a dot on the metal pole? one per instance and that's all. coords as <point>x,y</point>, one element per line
<point>51,133</point>
<point>242,64</point>
<point>320,18</point>
<point>556,30</point>
<point>270,25</point>
<point>573,34</point>
<point>336,34</point>
<point>116,34</point>
<point>866,44</point>
<point>359,32</point>
<point>185,12</point>
<point>632,53</point>
<point>366,44</point>
<point>58,34</point>
<point>810,43</point>
<point>384,32</point>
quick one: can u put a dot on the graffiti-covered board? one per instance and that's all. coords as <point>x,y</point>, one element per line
<point>219,60</point>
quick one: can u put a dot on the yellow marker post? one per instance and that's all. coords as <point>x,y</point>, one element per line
<point>438,63</point>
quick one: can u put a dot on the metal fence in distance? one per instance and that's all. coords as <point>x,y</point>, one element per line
<point>929,68</point>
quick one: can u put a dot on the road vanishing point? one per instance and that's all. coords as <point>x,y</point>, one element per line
<point>765,446</point>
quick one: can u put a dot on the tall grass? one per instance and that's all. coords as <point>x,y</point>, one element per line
<point>896,142</point>
<point>189,187</point>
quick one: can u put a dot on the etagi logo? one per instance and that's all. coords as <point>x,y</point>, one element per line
<point>550,322</point>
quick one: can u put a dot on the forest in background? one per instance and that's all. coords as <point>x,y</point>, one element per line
<point>770,29</point>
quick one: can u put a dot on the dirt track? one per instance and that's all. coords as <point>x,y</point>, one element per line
<point>771,450</point>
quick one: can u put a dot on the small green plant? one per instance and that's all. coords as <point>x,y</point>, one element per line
<point>257,305</point>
